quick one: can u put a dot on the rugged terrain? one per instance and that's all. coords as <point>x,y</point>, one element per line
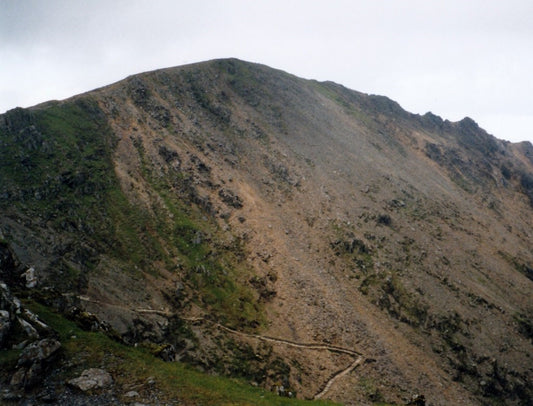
<point>297,234</point>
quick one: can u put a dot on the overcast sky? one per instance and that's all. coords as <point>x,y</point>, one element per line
<point>455,58</point>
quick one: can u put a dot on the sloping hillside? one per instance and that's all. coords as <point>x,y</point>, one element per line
<point>212,207</point>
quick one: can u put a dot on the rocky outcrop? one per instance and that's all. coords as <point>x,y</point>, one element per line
<point>18,325</point>
<point>22,329</point>
<point>230,198</point>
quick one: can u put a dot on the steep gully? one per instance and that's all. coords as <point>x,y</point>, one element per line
<point>358,358</point>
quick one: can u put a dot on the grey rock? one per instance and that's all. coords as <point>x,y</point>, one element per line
<point>230,198</point>
<point>5,326</point>
<point>28,329</point>
<point>39,351</point>
<point>16,322</point>
<point>10,396</point>
<point>31,279</point>
<point>32,317</point>
<point>34,375</point>
<point>93,378</point>
<point>150,380</point>
<point>48,395</point>
<point>20,345</point>
<point>18,378</point>
<point>32,363</point>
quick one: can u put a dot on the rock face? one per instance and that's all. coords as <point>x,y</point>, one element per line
<point>93,378</point>
<point>230,191</point>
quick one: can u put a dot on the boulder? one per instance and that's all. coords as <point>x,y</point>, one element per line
<point>5,326</point>
<point>39,352</point>
<point>17,380</point>
<point>7,301</point>
<point>30,277</point>
<point>93,378</point>
<point>33,362</point>
<point>131,394</point>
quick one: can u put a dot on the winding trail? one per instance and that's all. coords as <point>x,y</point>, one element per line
<point>358,357</point>
<point>310,346</point>
<point>338,375</point>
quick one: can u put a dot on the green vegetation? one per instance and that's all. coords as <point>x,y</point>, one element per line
<point>402,304</point>
<point>352,250</point>
<point>132,367</point>
<point>55,164</point>
<point>56,168</point>
<point>347,101</point>
<point>8,359</point>
<point>371,390</point>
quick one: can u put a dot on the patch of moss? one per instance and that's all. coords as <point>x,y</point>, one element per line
<point>402,304</point>
<point>353,250</point>
<point>370,389</point>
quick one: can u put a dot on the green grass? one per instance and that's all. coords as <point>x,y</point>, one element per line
<point>55,164</point>
<point>133,366</point>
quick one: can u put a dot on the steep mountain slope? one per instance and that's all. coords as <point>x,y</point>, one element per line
<point>179,203</point>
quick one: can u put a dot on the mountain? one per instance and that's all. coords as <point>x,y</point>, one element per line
<point>307,238</point>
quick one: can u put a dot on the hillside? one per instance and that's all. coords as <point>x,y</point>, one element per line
<point>253,224</point>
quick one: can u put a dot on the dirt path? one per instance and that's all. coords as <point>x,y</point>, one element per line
<point>336,376</point>
<point>308,346</point>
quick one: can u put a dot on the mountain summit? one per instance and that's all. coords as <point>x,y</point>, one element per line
<point>313,240</point>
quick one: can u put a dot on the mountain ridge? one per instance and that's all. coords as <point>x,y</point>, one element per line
<point>301,208</point>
